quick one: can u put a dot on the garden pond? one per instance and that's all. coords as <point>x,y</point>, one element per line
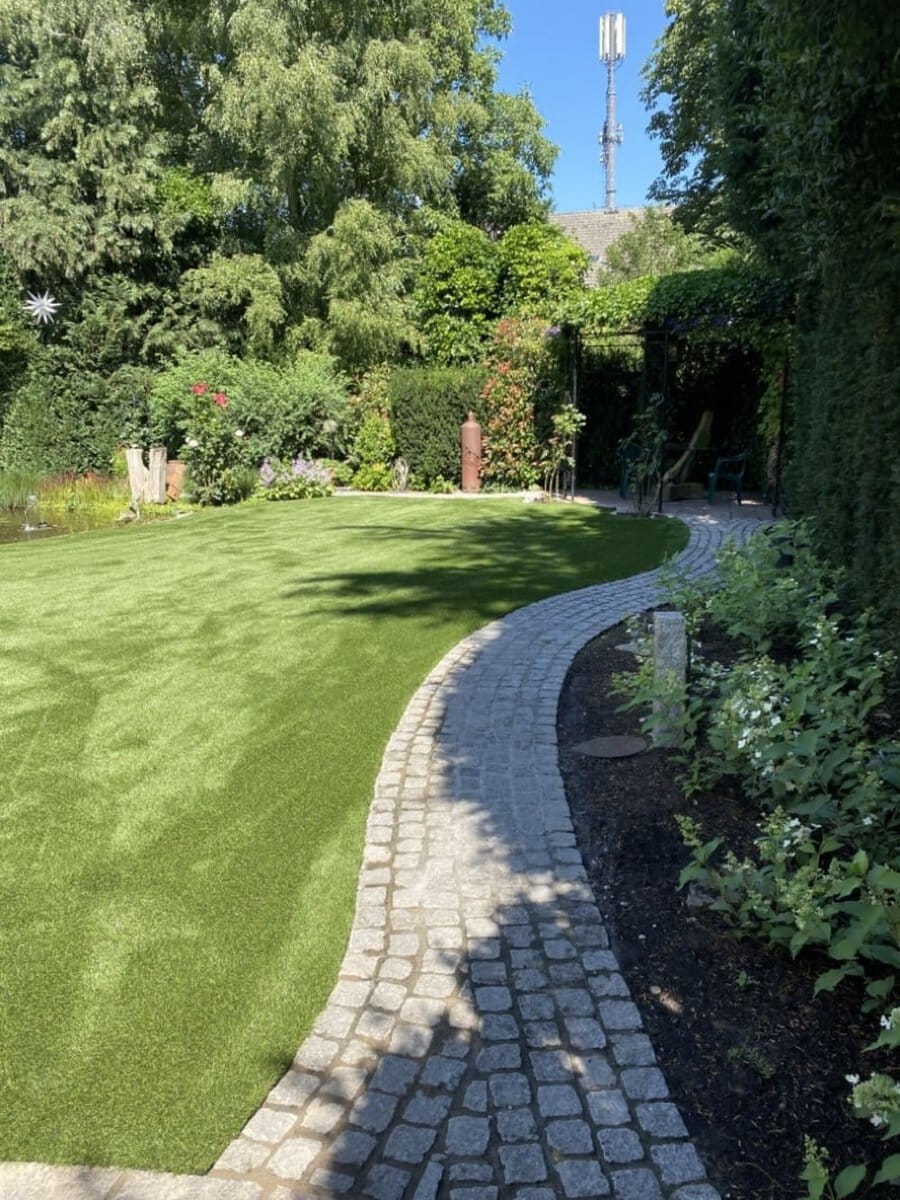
<point>14,528</point>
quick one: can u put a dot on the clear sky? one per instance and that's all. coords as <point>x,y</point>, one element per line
<point>554,51</point>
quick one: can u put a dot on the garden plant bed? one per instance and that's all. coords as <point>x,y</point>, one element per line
<point>753,1060</point>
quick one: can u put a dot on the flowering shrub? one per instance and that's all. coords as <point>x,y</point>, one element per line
<point>797,736</point>
<point>296,480</point>
<point>795,729</point>
<point>296,407</point>
<point>518,398</point>
<point>215,452</point>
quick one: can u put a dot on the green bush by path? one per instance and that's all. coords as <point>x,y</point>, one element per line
<point>192,718</point>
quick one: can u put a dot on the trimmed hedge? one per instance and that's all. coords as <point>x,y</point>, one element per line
<point>428,406</point>
<point>843,468</point>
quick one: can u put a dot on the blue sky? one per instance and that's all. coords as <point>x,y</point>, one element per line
<point>553,50</point>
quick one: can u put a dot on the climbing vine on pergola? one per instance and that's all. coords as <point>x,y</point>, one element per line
<point>735,306</point>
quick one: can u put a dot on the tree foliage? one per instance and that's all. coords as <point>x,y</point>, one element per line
<point>656,244</point>
<point>539,268</point>
<point>468,281</point>
<point>81,148</point>
<point>132,132</point>
<point>259,176</point>
<point>781,123</point>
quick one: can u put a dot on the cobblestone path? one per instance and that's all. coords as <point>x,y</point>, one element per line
<point>480,1043</point>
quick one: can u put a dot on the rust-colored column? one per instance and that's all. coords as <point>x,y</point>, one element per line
<point>471,454</point>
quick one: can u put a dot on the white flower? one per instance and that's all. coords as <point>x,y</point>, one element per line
<point>854,1079</point>
<point>868,819</point>
<point>239,433</point>
<point>191,443</point>
<point>42,308</point>
<point>885,1022</point>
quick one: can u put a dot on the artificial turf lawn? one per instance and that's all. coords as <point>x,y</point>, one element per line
<point>191,721</point>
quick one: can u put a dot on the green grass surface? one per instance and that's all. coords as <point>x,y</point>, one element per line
<point>191,720</point>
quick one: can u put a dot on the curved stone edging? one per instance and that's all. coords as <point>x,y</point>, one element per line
<point>480,1043</point>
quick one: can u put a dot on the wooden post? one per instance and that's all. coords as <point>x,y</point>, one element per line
<point>138,475</point>
<point>156,491</point>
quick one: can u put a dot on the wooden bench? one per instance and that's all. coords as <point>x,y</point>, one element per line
<point>727,470</point>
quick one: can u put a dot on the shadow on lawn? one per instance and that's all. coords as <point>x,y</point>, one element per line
<point>480,1035</point>
<point>486,569</point>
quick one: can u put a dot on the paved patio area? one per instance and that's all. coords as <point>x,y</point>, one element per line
<point>480,1043</point>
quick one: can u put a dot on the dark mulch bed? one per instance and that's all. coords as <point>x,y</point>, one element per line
<point>753,1060</point>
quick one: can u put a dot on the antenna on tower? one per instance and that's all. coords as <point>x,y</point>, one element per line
<point>612,51</point>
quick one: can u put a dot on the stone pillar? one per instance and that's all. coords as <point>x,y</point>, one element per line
<point>670,663</point>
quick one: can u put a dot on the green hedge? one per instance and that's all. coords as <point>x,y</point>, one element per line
<point>428,406</point>
<point>62,418</point>
<point>845,439</point>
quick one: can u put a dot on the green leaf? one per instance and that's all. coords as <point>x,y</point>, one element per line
<point>884,954</point>
<point>849,1180</point>
<point>859,864</point>
<point>881,987</point>
<point>889,1170</point>
<point>829,980</point>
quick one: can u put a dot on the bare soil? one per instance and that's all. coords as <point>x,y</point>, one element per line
<point>753,1059</point>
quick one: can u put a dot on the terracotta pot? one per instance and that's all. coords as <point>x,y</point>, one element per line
<point>175,473</point>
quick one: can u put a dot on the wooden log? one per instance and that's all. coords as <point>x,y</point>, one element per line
<point>156,491</point>
<point>138,475</point>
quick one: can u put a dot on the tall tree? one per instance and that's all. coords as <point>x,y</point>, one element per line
<point>80,147</point>
<point>781,120</point>
<point>655,245</point>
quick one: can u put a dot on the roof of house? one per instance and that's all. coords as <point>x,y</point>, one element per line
<point>596,231</point>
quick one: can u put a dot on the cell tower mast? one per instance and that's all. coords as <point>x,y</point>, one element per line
<point>612,51</point>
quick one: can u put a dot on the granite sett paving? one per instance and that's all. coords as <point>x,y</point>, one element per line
<point>480,1041</point>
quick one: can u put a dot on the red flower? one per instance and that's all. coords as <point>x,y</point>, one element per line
<point>200,389</point>
<point>221,399</point>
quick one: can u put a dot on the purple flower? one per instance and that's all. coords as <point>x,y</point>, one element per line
<point>304,469</point>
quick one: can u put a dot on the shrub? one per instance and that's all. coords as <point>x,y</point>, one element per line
<point>215,451</point>
<point>61,419</point>
<point>797,735</point>
<point>373,477</point>
<point>374,441</point>
<point>428,406</point>
<point>297,480</point>
<point>523,389</point>
<point>456,293</point>
<point>297,408</point>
